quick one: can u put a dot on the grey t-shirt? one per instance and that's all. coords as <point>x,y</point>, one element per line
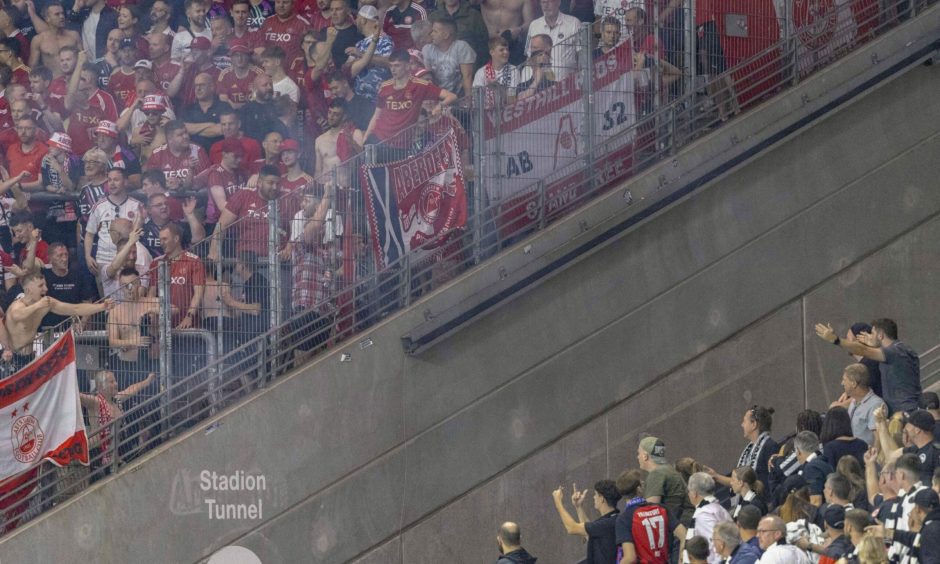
<point>900,377</point>
<point>445,65</point>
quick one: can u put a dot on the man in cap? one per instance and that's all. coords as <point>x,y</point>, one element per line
<point>370,61</point>
<point>150,134</point>
<point>235,82</point>
<point>931,402</point>
<point>917,436</point>
<point>294,178</point>
<point>922,538</point>
<point>664,485</point>
<point>198,62</point>
<point>60,173</point>
<point>122,80</point>
<point>107,139</point>
<point>837,544</point>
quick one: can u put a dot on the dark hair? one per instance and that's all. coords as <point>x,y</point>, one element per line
<point>42,72</point>
<point>53,247</point>
<point>338,103</point>
<point>6,75</point>
<point>399,56</point>
<point>610,20</point>
<point>273,52</point>
<point>840,486</point>
<point>21,218</point>
<point>763,417</point>
<point>888,326</point>
<point>448,21</point>
<point>229,112</point>
<point>608,490</point>
<point>808,420</point>
<point>45,10</point>
<point>174,229</point>
<point>269,170</point>
<point>797,506</point>
<point>90,67</point>
<point>338,76</point>
<point>156,176</point>
<point>118,170</point>
<point>837,423</point>
<point>749,517</point>
<point>859,518</point>
<point>747,475</point>
<point>909,463</point>
<point>629,482</point>
<point>697,547</point>
<point>172,126</point>
<point>12,44</point>
<point>128,271</point>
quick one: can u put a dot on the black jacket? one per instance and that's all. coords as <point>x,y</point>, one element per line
<point>518,556</point>
<point>106,22</point>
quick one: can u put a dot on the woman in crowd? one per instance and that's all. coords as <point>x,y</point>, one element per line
<point>837,438</point>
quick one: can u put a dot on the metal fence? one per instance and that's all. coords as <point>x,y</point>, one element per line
<point>295,272</point>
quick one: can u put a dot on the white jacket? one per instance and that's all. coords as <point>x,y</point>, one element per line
<point>784,554</point>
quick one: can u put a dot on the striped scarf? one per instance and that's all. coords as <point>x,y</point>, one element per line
<point>752,451</point>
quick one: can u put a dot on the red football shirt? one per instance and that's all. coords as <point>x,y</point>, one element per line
<point>165,73</point>
<point>31,161</point>
<point>286,34</point>
<point>9,137</point>
<point>252,230</point>
<point>188,92</point>
<point>237,89</point>
<point>83,122</point>
<point>231,181</point>
<point>252,152</point>
<point>186,272</point>
<point>6,119</point>
<point>178,166</point>
<point>122,86</point>
<point>21,76</point>
<point>57,89</point>
<point>400,108</point>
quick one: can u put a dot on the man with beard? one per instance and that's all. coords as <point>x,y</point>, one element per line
<point>259,116</point>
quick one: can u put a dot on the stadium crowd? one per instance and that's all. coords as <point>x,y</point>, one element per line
<point>856,484</point>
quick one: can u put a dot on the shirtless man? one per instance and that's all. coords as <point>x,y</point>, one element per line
<point>512,17</point>
<point>125,321</point>
<point>46,45</point>
<point>326,145</point>
<point>26,313</point>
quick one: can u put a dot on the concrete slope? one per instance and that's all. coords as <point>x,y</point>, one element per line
<point>672,326</point>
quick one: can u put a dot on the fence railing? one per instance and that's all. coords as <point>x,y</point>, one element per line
<point>297,271</point>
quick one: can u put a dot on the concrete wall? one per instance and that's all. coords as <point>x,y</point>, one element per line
<point>674,328</point>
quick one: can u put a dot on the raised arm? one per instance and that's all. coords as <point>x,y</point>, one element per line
<point>571,526</point>
<point>196,228</point>
<point>135,389</point>
<point>72,95</point>
<point>856,347</point>
<point>63,308</point>
<point>20,312</point>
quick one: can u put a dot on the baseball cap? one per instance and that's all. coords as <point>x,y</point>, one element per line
<point>928,499</point>
<point>922,419</point>
<point>238,47</point>
<point>928,400</point>
<point>860,327</point>
<point>127,43</point>
<point>834,515</point>
<point>153,103</point>
<point>143,64</point>
<point>369,12</point>
<point>62,141</point>
<point>233,146</point>
<point>290,145</point>
<point>652,446</point>
<point>108,128</point>
<point>200,43</point>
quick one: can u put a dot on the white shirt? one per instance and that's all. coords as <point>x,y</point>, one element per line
<point>287,87</point>
<point>617,8</point>
<point>99,221</point>
<point>90,34</point>
<point>564,42</point>
<point>182,40</point>
<point>784,554</point>
<point>706,517</point>
<point>110,286</point>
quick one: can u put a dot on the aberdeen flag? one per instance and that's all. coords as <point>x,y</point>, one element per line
<point>40,419</point>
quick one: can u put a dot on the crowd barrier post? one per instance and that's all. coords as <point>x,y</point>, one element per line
<point>586,36</point>
<point>274,264</point>
<point>691,45</point>
<point>479,190</point>
<point>166,344</point>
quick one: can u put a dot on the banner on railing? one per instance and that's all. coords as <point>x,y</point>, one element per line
<point>413,204</point>
<point>40,413</point>
<point>538,137</point>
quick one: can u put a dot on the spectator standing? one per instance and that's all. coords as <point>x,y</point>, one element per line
<point>47,44</point>
<point>284,29</point>
<point>837,544</point>
<point>195,27</point>
<point>563,30</point>
<point>874,371</point>
<point>638,547</point>
<point>470,26</point>
<point>837,439</point>
<point>498,76</point>
<point>150,133</point>
<point>107,139</point>
<point>899,364</point>
<point>509,19</point>
<point>202,116</point>
<point>198,62</point>
<point>860,401</point>
<point>225,179</point>
<point>68,59</point>
<point>814,468</point>
<point>538,67</point>
<point>756,425</point>
<point>165,68</point>
<point>599,533</point>
<point>337,145</point>
<point>94,183</point>
<point>235,83</point>
<point>11,58</point>
<point>399,18</point>
<point>399,103</point>
<point>509,542</point>
<point>122,82</point>
<point>272,61</point>
<point>341,35</point>
<point>160,16</point>
<point>251,207</point>
<point>708,512</point>
<point>271,146</point>
<point>357,108</point>
<point>231,127</point>
<point>728,545</point>
<point>663,484</point>
<point>242,33</point>
<point>772,532</point>
<point>369,61</point>
<point>95,19</point>
<point>40,81</point>
<point>8,17</point>
<point>26,155</point>
<point>253,313</point>
<point>748,490</point>
<point>158,217</point>
<point>130,254</point>
<point>748,519</point>
<point>117,204</point>
<point>259,116</point>
<point>88,105</point>
<point>923,539</point>
<point>68,285</point>
<point>450,60</point>
<point>187,278</point>
<point>179,159</point>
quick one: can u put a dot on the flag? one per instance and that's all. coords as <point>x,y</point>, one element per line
<point>40,419</point>
<point>417,202</point>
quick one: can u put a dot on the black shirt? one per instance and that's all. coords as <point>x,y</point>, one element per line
<point>150,238</point>
<point>602,541</point>
<point>874,375</point>
<point>359,110</point>
<point>345,38</point>
<point>193,114</point>
<point>835,449</point>
<point>260,119</point>
<point>929,456</point>
<point>73,288</point>
<point>256,292</point>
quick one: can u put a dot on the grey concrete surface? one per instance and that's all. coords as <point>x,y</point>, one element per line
<point>674,329</point>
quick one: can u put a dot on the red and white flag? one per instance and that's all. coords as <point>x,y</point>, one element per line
<point>41,417</point>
